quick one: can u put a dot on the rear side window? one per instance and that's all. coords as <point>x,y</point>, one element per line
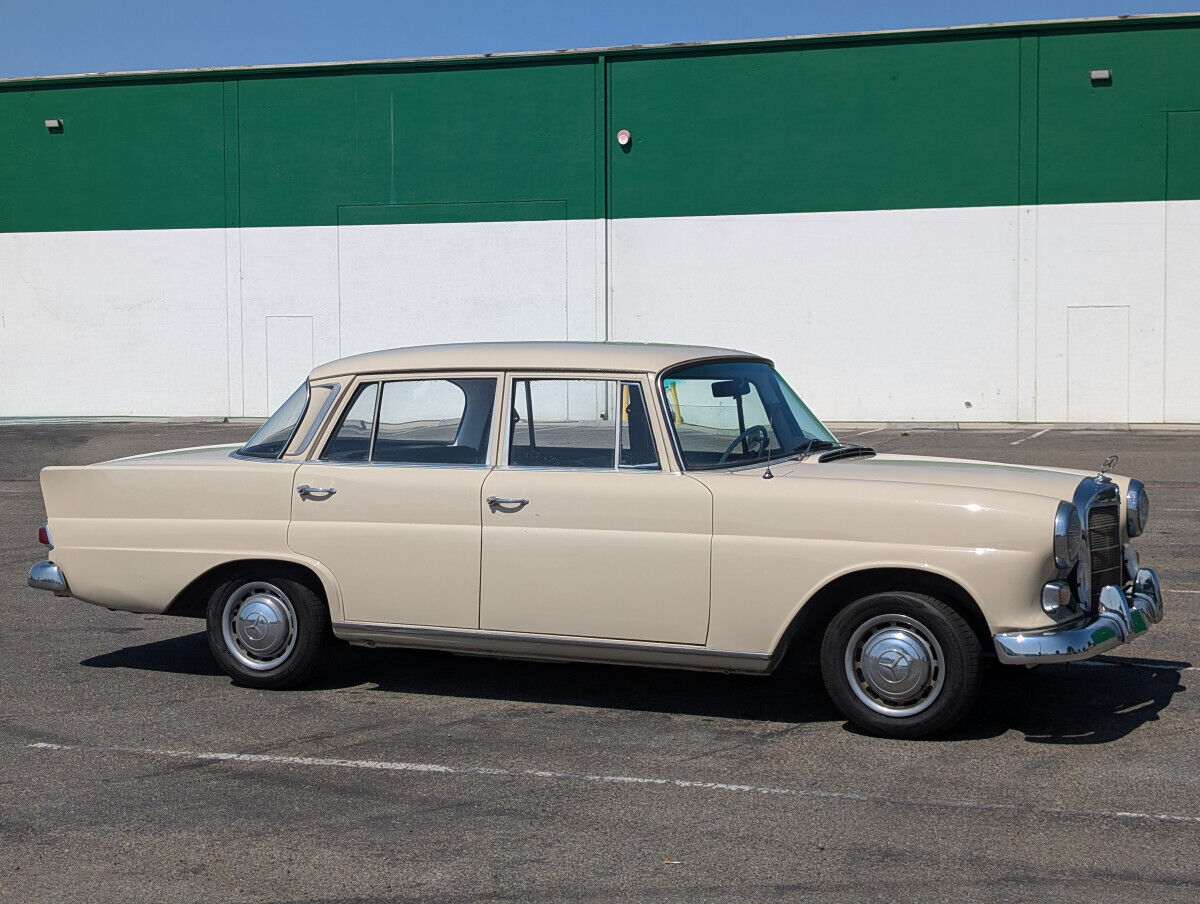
<point>585,424</point>
<point>442,422</point>
<point>435,421</point>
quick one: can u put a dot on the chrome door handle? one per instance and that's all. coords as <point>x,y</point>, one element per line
<point>307,492</point>
<point>497,501</point>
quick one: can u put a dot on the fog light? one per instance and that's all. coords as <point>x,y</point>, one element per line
<point>1056,599</point>
<point>1132,562</point>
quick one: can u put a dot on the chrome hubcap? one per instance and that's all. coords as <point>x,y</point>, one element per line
<point>259,625</point>
<point>895,665</point>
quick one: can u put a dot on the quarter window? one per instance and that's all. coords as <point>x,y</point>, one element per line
<point>273,436</point>
<point>589,424</point>
<point>352,439</point>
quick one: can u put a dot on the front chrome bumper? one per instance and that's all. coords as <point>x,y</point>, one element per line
<point>1121,619</point>
<point>48,576</point>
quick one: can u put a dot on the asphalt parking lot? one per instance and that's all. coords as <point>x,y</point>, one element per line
<point>132,770</point>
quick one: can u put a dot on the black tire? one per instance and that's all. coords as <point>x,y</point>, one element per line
<point>915,664</point>
<point>257,602</point>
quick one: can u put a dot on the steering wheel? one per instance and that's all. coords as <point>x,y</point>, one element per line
<point>756,436</point>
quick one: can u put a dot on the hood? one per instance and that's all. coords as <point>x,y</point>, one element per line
<point>1057,483</point>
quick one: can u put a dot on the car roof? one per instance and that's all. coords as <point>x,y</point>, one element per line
<point>635,357</point>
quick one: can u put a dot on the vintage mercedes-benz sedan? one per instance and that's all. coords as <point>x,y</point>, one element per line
<point>651,505</point>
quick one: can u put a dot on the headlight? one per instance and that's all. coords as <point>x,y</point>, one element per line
<point>1137,507</point>
<point>1068,535</point>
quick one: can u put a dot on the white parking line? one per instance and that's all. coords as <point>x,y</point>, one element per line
<point>1172,590</point>
<point>628,780</point>
<point>1024,439</point>
<point>865,432</point>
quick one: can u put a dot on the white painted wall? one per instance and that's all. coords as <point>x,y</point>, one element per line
<point>116,323</point>
<point>964,314</point>
<point>875,315</point>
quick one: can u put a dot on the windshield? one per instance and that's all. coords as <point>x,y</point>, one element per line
<point>734,413</point>
<point>273,436</point>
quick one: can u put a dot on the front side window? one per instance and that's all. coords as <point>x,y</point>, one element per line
<point>443,422</point>
<point>272,437</point>
<point>586,424</point>
<point>734,413</point>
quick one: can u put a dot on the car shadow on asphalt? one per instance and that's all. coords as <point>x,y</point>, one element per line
<point>1091,702</point>
<point>185,655</point>
<point>1083,703</point>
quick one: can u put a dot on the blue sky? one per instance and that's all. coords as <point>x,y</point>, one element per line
<point>43,37</point>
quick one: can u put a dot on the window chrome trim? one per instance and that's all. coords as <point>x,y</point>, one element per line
<point>238,453</point>
<point>398,464</point>
<point>334,390</point>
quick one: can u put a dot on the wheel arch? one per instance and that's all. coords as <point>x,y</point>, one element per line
<point>191,601</point>
<point>802,637</point>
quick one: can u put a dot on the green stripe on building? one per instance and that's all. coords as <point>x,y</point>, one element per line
<point>959,118</point>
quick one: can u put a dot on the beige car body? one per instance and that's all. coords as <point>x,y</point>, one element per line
<point>697,569</point>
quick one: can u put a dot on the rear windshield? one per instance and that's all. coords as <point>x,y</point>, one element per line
<point>273,436</point>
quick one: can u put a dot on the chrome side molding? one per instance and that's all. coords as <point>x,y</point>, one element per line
<point>548,647</point>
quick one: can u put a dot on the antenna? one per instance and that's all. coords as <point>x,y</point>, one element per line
<point>767,475</point>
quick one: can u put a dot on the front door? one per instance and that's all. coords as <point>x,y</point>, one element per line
<point>584,533</point>
<point>392,506</point>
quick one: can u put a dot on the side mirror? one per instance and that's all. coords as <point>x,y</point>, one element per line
<point>730,389</point>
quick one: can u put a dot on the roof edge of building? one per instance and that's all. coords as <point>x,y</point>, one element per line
<point>1147,19</point>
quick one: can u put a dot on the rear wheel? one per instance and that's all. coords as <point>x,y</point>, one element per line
<point>901,664</point>
<point>268,629</point>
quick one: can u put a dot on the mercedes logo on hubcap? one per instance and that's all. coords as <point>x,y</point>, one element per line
<point>255,626</point>
<point>894,665</point>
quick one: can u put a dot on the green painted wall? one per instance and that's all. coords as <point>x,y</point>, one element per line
<point>986,117</point>
<point>921,124</point>
<point>130,156</point>
<point>462,135</point>
<point>1112,140</point>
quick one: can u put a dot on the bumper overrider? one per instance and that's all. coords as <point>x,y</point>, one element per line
<point>1121,618</point>
<point>48,576</point>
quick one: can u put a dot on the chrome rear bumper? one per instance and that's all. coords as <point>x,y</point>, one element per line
<point>1121,619</point>
<point>48,576</point>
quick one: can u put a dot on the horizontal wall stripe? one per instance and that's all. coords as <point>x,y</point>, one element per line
<point>485,212</point>
<point>930,120</point>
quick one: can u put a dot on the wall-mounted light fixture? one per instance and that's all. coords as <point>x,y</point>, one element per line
<point>54,125</point>
<point>1101,76</point>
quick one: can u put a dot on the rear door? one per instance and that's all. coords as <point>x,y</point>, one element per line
<point>392,505</point>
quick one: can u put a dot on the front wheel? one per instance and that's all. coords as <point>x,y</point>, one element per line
<point>901,664</point>
<point>268,629</point>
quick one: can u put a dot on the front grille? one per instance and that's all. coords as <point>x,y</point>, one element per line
<point>1104,543</point>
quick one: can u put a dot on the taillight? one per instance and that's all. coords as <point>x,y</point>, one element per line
<point>44,535</point>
